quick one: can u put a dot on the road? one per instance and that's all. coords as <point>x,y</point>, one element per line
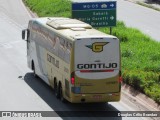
<point>145,19</point>
<point>20,91</point>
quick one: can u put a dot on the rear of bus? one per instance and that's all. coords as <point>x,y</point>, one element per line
<point>96,75</point>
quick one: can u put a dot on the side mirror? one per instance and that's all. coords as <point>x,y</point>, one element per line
<point>25,34</point>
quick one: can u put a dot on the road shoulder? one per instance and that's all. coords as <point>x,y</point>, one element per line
<point>138,96</point>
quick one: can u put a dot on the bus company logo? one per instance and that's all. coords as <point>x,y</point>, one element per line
<point>97,46</point>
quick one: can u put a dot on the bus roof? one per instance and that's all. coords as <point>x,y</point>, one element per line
<point>71,28</point>
<point>66,23</point>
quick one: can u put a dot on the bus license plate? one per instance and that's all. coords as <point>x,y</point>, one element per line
<point>97,97</point>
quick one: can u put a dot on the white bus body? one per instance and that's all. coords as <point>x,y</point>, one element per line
<point>82,64</point>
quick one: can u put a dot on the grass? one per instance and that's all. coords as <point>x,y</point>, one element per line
<point>140,54</point>
<point>47,8</point>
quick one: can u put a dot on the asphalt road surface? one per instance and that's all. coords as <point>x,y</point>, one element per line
<point>145,19</point>
<point>20,91</point>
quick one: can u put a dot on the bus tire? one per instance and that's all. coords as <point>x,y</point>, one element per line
<point>56,89</point>
<point>61,94</point>
<point>34,71</point>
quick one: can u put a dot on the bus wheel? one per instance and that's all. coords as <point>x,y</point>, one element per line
<point>56,90</point>
<point>34,71</point>
<point>61,94</point>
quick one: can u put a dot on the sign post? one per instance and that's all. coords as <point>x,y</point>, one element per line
<point>97,14</point>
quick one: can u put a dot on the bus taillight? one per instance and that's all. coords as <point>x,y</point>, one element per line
<point>72,78</point>
<point>120,79</point>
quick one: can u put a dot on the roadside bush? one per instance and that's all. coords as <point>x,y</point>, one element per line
<point>153,92</point>
<point>146,82</point>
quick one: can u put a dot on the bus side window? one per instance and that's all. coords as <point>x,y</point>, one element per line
<point>67,45</point>
<point>62,43</point>
<point>67,52</point>
<point>29,31</point>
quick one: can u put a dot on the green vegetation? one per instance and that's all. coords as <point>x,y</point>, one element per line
<point>47,8</point>
<point>140,60</point>
<point>140,54</point>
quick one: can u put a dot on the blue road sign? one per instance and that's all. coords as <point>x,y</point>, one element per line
<point>97,14</point>
<point>94,5</point>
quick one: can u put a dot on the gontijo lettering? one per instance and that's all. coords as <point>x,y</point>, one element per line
<point>97,66</point>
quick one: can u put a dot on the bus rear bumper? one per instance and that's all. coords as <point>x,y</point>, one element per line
<point>97,98</point>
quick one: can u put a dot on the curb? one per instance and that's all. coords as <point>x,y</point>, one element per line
<point>153,6</point>
<point>130,1</point>
<point>133,1</point>
<point>140,96</point>
<point>32,14</point>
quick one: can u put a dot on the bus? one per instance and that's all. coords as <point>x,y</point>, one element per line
<point>80,63</point>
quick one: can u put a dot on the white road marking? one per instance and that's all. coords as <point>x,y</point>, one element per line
<point>9,44</point>
<point>10,21</point>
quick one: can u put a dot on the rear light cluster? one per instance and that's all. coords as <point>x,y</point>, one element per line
<point>73,75</point>
<point>120,79</point>
<point>72,78</point>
